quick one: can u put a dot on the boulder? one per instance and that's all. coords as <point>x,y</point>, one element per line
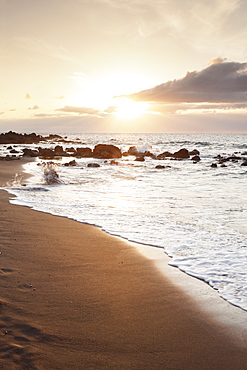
<point>244,163</point>
<point>106,151</point>
<point>194,152</point>
<point>71,163</point>
<point>160,167</point>
<point>196,158</point>
<point>59,150</point>
<point>164,155</point>
<point>132,150</point>
<point>30,153</point>
<point>214,165</point>
<point>140,159</point>
<point>83,152</point>
<point>181,154</point>
<point>46,152</point>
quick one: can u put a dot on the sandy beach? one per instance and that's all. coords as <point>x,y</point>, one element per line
<point>74,297</point>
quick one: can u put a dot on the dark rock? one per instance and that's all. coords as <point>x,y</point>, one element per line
<point>15,138</point>
<point>244,163</point>
<point>71,163</point>
<point>194,152</point>
<point>182,153</point>
<point>13,151</point>
<point>140,159</point>
<point>196,158</point>
<point>30,153</point>
<point>132,151</point>
<point>9,147</point>
<point>59,150</point>
<point>149,154</point>
<point>214,165</point>
<point>83,152</point>
<point>46,152</point>
<point>106,151</point>
<point>164,155</point>
<point>70,150</point>
<point>160,167</point>
<point>223,165</point>
<point>93,165</point>
<point>112,162</point>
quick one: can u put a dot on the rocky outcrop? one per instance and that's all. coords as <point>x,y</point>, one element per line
<point>14,138</point>
<point>106,151</point>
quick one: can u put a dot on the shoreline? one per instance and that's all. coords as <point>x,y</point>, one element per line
<point>106,307</point>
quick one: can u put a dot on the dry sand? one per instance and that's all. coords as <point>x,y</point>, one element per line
<point>73,297</point>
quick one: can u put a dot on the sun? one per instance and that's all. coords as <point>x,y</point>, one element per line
<point>128,109</point>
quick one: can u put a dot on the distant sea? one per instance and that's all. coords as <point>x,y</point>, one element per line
<point>196,212</point>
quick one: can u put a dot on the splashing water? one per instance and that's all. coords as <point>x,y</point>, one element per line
<point>51,176</point>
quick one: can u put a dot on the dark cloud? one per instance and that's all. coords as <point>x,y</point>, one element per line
<point>221,82</point>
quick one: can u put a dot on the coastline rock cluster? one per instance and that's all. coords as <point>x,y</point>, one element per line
<point>100,151</point>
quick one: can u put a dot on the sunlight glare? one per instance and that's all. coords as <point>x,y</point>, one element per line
<point>128,109</point>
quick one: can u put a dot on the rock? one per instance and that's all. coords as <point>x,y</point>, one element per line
<point>93,165</point>
<point>15,138</point>
<point>132,150</point>
<point>244,163</point>
<point>71,163</point>
<point>59,150</point>
<point>30,153</point>
<point>214,165</point>
<point>149,154</point>
<point>112,162</point>
<point>70,150</point>
<point>164,155</point>
<point>46,152</point>
<point>13,151</point>
<point>83,152</point>
<point>106,151</point>
<point>182,153</point>
<point>196,158</point>
<point>140,159</point>
<point>194,152</point>
<point>160,167</point>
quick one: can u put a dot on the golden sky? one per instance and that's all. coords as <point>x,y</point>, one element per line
<point>123,65</point>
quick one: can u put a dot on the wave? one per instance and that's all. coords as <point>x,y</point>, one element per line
<point>51,176</point>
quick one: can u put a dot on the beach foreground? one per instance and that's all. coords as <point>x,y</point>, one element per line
<point>74,297</point>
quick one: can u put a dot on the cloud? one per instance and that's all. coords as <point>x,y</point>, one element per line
<point>80,110</point>
<point>221,82</point>
<point>34,107</point>
<point>87,111</point>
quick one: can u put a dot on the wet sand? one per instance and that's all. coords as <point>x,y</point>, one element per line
<point>74,297</point>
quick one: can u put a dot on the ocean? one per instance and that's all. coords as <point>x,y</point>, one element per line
<point>195,212</point>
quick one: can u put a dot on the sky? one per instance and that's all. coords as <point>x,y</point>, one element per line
<point>123,66</point>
